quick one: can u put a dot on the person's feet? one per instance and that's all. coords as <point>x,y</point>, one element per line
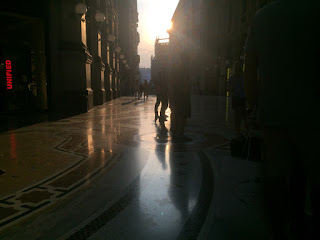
<point>162,119</point>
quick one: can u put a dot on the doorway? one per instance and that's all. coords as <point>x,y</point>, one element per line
<point>22,65</point>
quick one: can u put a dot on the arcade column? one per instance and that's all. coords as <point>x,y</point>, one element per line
<point>70,60</point>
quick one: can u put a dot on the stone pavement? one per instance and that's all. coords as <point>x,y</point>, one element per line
<point>113,173</point>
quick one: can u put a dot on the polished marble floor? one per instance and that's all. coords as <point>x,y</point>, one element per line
<point>115,173</point>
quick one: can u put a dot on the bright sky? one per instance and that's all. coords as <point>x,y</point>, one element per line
<point>154,19</point>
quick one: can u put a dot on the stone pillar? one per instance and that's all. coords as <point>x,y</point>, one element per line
<point>108,75</point>
<point>70,71</point>
<point>114,74</point>
<point>118,77</point>
<point>98,68</point>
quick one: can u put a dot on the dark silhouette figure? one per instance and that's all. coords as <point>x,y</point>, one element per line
<point>162,96</point>
<point>236,86</point>
<point>145,90</point>
<point>140,90</point>
<point>281,64</point>
<point>179,95</point>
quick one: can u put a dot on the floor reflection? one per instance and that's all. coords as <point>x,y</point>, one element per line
<point>161,146</point>
<point>178,188</point>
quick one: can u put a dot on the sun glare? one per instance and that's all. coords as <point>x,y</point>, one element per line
<point>159,20</point>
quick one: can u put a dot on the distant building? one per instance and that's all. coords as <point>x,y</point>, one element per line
<point>160,61</point>
<point>145,74</point>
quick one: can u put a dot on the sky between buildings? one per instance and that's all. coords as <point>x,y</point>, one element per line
<point>154,19</point>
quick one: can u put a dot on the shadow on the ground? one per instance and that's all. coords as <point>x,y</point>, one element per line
<point>140,102</point>
<point>126,103</point>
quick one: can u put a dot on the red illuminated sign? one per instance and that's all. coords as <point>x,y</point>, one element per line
<point>9,74</point>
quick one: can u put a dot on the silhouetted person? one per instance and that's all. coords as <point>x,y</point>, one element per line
<point>282,83</point>
<point>238,96</point>
<point>146,89</point>
<point>140,90</point>
<point>179,95</point>
<point>162,96</point>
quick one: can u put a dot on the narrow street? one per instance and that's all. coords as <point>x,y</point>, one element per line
<point>113,173</point>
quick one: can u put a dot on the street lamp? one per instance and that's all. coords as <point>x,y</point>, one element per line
<point>81,8</point>
<point>100,17</point>
<point>111,38</point>
<point>118,49</point>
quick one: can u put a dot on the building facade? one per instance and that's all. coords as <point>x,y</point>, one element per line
<point>64,55</point>
<point>160,60</point>
<point>129,39</point>
<point>145,74</point>
<point>213,32</point>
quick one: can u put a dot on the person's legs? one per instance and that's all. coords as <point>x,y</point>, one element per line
<point>297,197</point>
<point>237,113</point>
<point>156,106</point>
<point>308,142</point>
<point>237,119</point>
<point>277,166</point>
<point>173,122</point>
<point>245,118</point>
<point>164,106</point>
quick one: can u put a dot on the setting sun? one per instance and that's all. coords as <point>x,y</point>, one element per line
<point>159,19</point>
<point>154,21</point>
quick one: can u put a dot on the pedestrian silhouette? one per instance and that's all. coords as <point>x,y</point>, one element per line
<point>145,90</point>
<point>162,96</point>
<point>238,96</point>
<point>179,95</point>
<point>140,90</point>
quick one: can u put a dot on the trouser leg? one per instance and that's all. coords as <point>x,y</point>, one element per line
<point>156,106</point>
<point>308,142</point>
<point>164,106</point>
<point>277,168</point>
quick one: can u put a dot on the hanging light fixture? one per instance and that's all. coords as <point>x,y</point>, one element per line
<point>118,49</point>
<point>111,38</point>
<point>100,17</point>
<point>81,8</point>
